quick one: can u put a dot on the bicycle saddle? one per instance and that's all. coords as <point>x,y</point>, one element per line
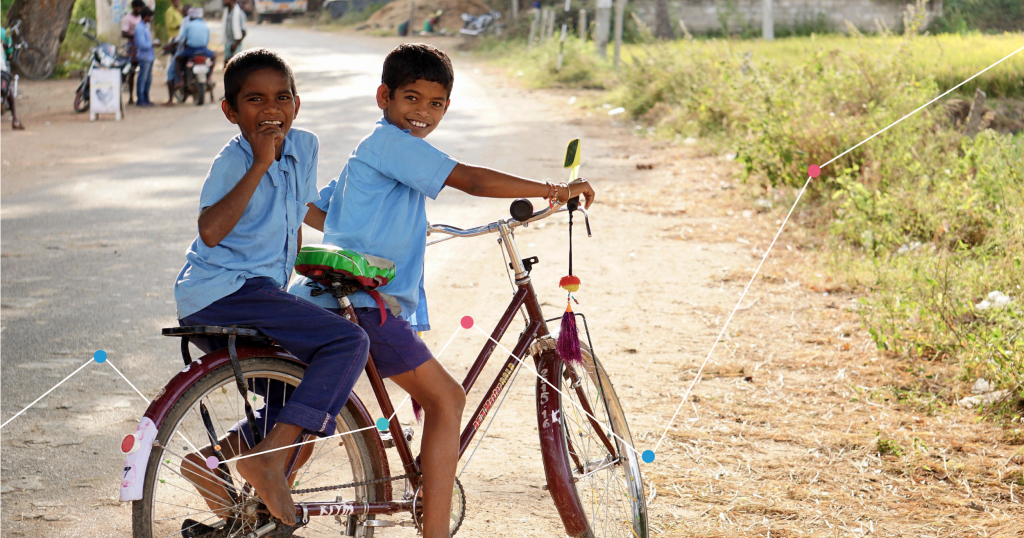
<point>326,264</point>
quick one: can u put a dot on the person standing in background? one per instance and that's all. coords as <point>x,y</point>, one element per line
<point>234,29</point>
<point>145,56</point>
<point>173,18</point>
<point>128,23</point>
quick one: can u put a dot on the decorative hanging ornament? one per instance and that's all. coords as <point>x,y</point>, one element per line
<point>568,345</point>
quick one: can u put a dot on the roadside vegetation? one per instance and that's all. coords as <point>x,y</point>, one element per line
<point>925,222</point>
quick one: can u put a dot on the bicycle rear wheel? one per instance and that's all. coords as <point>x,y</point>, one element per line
<point>592,469</point>
<point>33,63</point>
<point>170,498</point>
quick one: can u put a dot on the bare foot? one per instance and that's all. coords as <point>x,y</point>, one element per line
<point>206,481</point>
<point>17,126</point>
<point>265,471</point>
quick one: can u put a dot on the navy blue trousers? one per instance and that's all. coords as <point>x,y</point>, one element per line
<point>334,349</point>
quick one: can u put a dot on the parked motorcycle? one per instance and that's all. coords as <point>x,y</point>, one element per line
<point>481,24</point>
<point>104,56</point>
<point>195,80</point>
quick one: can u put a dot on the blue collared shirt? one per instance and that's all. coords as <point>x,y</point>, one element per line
<point>195,34</point>
<point>143,42</point>
<point>263,243</point>
<point>378,206</point>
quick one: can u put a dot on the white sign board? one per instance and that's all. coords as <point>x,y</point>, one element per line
<point>105,93</point>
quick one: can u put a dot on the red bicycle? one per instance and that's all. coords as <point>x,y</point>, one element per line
<point>347,488</point>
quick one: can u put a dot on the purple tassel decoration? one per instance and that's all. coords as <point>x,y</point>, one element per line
<point>568,346</point>
<point>417,410</point>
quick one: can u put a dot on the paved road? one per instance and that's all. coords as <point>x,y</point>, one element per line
<point>89,257</point>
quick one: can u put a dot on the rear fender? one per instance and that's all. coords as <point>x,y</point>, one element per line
<point>134,472</point>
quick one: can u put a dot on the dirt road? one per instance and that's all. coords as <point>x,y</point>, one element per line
<point>780,438</point>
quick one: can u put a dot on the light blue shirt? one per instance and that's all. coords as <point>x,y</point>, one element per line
<point>195,34</point>
<point>143,42</point>
<point>377,207</point>
<point>263,243</point>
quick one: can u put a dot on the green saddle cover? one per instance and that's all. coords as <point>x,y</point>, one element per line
<point>326,263</point>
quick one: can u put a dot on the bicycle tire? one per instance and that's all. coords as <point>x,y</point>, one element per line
<point>200,95</point>
<point>41,65</point>
<point>82,97</point>
<point>365,460</point>
<point>572,460</point>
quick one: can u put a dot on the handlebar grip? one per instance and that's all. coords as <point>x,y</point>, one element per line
<point>573,204</point>
<point>521,209</point>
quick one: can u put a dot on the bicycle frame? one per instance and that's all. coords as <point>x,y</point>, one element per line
<point>536,328</point>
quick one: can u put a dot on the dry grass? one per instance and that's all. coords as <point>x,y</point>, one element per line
<point>786,432</point>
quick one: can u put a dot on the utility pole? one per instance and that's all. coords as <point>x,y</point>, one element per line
<point>767,24</point>
<point>602,28</point>
<point>515,10</point>
<point>620,14</point>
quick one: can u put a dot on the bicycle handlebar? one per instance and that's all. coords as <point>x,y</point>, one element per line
<point>496,226</point>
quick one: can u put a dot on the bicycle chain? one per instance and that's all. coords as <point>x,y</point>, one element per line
<point>354,484</point>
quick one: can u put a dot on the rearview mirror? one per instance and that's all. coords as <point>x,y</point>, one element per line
<point>572,153</point>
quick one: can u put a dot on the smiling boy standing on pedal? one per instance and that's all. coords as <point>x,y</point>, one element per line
<point>250,216</point>
<point>377,207</point>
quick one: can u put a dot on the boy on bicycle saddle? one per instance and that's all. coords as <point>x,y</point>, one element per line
<point>376,207</point>
<point>250,217</point>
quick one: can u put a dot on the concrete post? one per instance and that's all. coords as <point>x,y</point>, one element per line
<point>515,10</point>
<point>602,26</point>
<point>583,25</point>
<point>767,23</point>
<point>620,14</point>
<point>534,23</point>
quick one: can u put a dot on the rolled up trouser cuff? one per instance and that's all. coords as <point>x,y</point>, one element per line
<point>308,418</point>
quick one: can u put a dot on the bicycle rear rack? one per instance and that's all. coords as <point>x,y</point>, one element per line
<point>232,334</point>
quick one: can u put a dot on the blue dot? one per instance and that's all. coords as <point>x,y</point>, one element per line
<point>100,356</point>
<point>648,456</point>
<point>382,424</point>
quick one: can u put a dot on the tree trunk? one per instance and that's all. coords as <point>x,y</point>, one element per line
<point>43,24</point>
<point>663,21</point>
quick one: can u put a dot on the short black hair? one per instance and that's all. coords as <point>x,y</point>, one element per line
<point>248,62</point>
<point>138,3</point>
<point>410,62</point>
<point>146,12</point>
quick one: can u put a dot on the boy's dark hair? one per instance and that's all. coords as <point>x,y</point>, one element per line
<point>146,12</point>
<point>139,3</point>
<point>248,62</point>
<point>410,62</point>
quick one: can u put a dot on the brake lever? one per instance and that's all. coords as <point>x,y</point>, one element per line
<point>586,220</point>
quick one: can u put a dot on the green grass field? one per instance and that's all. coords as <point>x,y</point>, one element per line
<point>923,221</point>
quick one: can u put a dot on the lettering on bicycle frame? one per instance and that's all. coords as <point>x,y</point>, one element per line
<point>343,509</point>
<point>494,395</point>
<point>544,394</point>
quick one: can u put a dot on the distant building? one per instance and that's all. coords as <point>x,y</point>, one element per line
<point>702,16</point>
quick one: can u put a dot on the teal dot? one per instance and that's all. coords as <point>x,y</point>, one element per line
<point>382,424</point>
<point>648,456</point>
<point>100,356</point>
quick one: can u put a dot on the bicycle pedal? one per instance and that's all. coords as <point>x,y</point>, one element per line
<point>389,441</point>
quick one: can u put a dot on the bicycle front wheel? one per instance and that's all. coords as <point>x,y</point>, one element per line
<point>33,63</point>
<point>592,469</point>
<point>173,502</point>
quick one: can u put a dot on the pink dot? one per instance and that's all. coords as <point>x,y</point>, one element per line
<point>814,170</point>
<point>212,462</point>
<point>467,322</point>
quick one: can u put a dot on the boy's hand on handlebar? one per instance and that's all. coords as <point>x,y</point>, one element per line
<point>580,187</point>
